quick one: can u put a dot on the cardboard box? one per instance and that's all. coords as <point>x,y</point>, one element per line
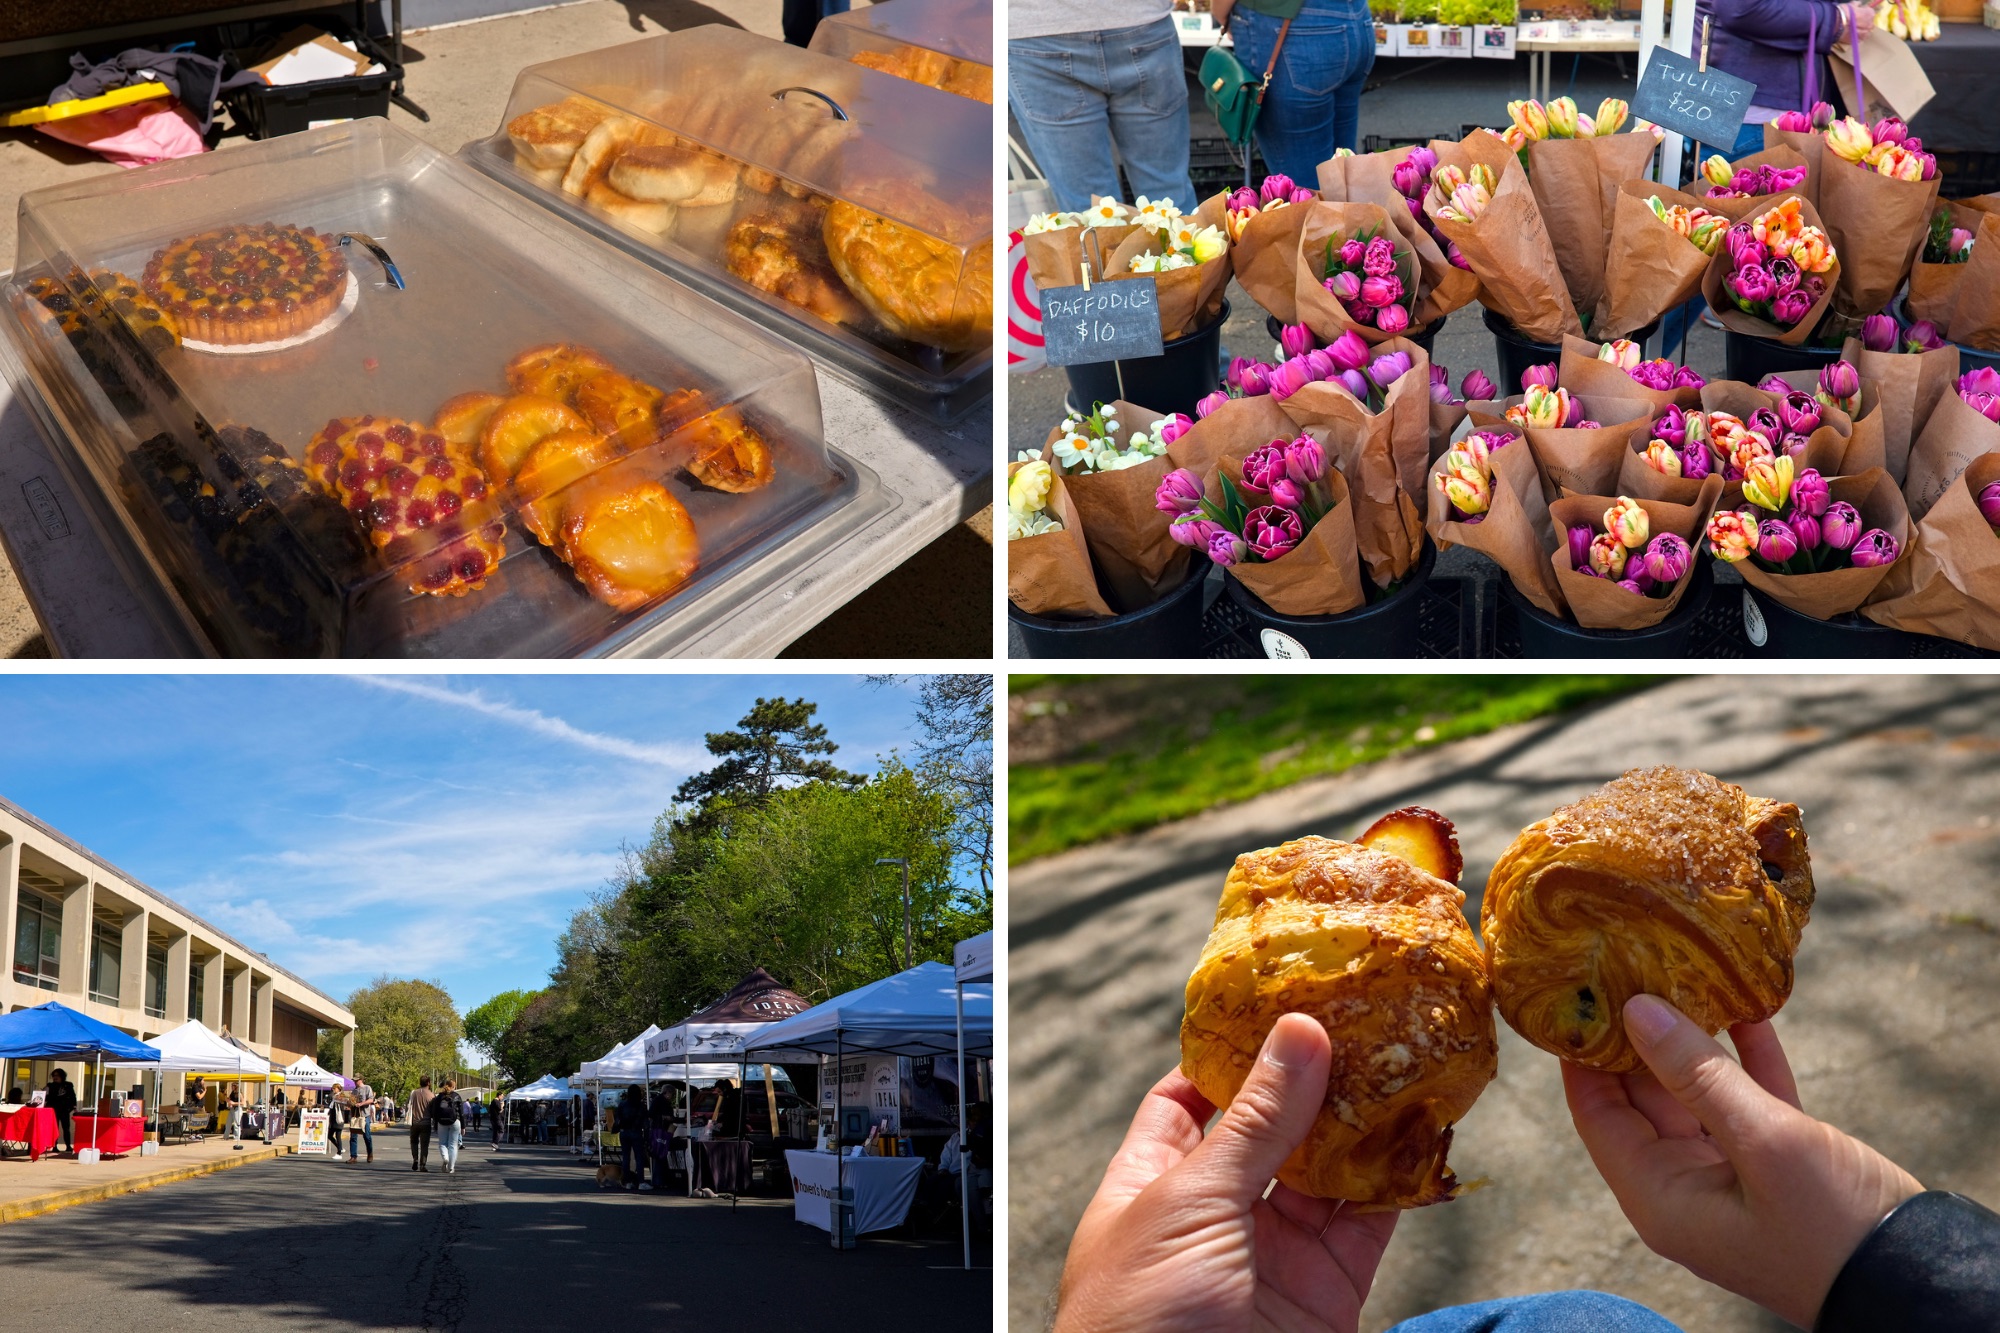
<point>1454,43</point>
<point>328,59</point>
<point>1494,41</point>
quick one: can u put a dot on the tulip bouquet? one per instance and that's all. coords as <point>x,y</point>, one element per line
<point>1367,273</point>
<point>1485,494</point>
<point>1778,269</point>
<point>1486,206</point>
<point>1793,525</point>
<point>1944,243</point>
<point>1626,553</point>
<point>1462,196</point>
<point>1659,245</point>
<point>1887,148</point>
<point>1805,122</point>
<point>1886,333</point>
<point>1726,181</point>
<point>1263,226</point>
<point>1277,191</point>
<point>1397,181</point>
<point>1560,119</point>
<point>1049,571</point>
<point>1955,283</point>
<point>1413,178</point>
<point>1465,474</point>
<point>1878,189</point>
<point>1623,562</point>
<point>1949,584</point>
<point>1347,362</point>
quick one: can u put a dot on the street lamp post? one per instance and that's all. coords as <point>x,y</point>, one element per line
<point>904,862</point>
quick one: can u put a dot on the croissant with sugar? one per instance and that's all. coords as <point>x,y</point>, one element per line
<point>1664,882</point>
<point>1371,940</point>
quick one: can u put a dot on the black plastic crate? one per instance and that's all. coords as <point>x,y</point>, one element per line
<point>1217,164</point>
<point>1444,626</point>
<point>264,112</point>
<point>1382,143</point>
<point>1964,173</point>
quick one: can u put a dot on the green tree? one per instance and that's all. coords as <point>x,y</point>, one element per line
<point>485,1025</point>
<point>774,748</point>
<point>404,1029</point>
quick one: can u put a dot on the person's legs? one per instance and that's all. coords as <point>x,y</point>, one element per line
<point>631,1160</point>
<point>66,1132</point>
<point>420,1145</point>
<point>1313,104</point>
<point>448,1139</point>
<point>1548,1312</point>
<point>1149,110</point>
<point>1056,87</point>
<point>1359,30</point>
<point>368,1137</point>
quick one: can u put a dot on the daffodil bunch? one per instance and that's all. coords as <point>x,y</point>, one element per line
<point>1888,148</point>
<point>1182,245</point>
<point>1091,444</point>
<point>1793,526</point>
<point>1703,229</point>
<point>1028,500</point>
<point>1154,214</point>
<point>1046,222</point>
<point>1466,474</point>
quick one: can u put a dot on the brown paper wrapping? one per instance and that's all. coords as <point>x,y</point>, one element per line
<point>1581,372</point>
<point>1949,582</point>
<point>1596,603</point>
<point>1265,259</point>
<point>1319,576</point>
<point>1056,258</point>
<point>1780,155</point>
<point>1190,298</point>
<point>1638,479</point>
<point>1810,145</point>
<point>1510,250</point>
<point>1963,300</point>
<point>1649,268</point>
<point>1514,533</point>
<point>1137,562</point>
<point>1877,225</point>
<point>1251,421</point>
<point>1383,455</point>
<point>1050,575</point>
<point>1954,436</point>
<point>1318,309</point>
<point>1732,318</point>
<point>1582,462</point>
<point>1574,183</point>
<point>1911,384</point>
<point>1370,179</point>
<point>1837,591</point>
<point>1444,424</point>
<point>1839,448</point>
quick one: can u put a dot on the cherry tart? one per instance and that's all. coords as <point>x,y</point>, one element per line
<point>255,284</point>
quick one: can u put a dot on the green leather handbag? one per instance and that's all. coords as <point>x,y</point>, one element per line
<point>1232,92</point>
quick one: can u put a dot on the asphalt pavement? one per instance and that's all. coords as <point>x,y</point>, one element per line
<point>519,1238</point>
<point>1893,1027</point>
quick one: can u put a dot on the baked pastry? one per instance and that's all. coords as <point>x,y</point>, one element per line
<point>620,407</point>
<point>933,69</point>
<point>516,427</point>
<point>554,370</point>
<point>920,287</point>
<point>594,155</point>
<point>546,138</point>
<point>781,251</point>
<point>251,284</point>
<point>675,173</point>
<point>648,217</point>
<point>556,462</point>
<point>462,420</point>
<point>1375,945</point>
<point>729,454</point>
<point>628,539</point>
<point>1664,882</point>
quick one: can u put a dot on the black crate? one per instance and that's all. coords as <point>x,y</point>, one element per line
<point>265,112</point>
<point>1964,173</point>
<point>1382,143</point>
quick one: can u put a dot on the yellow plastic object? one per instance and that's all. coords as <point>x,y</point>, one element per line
<point>83,106</point>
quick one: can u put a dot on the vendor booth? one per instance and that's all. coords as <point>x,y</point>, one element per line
<point>192,1048</point>
<point>623,1064</point>
<point>54,1031</point>
<point>972,960</point>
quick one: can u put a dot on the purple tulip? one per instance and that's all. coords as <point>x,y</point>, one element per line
<point>1256,380</point>
<point>1653,375</point>
<point>1476,387</point>
<point>1179,492</point>
<point>1381,290</point>
<point>1423,159</point>
<point>1544,375</point>
<point>1687,377</point>
<point>1319,365</point>
<point>1209,402</point>
<point>1667,558</point>
<point>1790,307</point>
<point>1302,195</point>
<point>1305,461</point>
<point>1386,369</point>
<point>1765,422</point>
<point>1408,180</point>
<point>1806,528</point>
<point>1890,130</point>
<point>1277,185</point>
<point>1192,530</point>
<point>1775,383</point>
<point>1776,542</point>
<point>1579,549</point>
<point>1983,380</point>
<point>1345,286</point>
<point>1272,531</point>
<point>1350,351</point>
<point>1226,548</point>
<point>1696,461</point>
<point>1840,380</point>
<point>1455,256</point>
<point>1352,252</point>
<point>1792,443</point>
<point>1922,336</point>
<point>1813,285</point>
<point>1799,411</point>
<point>1875,547</point>
<point>1784,275</point>
<point>1809,492</point>
<point>1878,333</point>
<point>1986,404</point>
<point>1264,465</point>
<point>1355,383</point>
<point>1585,423</point>
<point>1237,365</point>
<point>1380,259</point>
<point>1989,503</point>
<point>1392,319</point>
<point>1240,198</point>
<point>1840,525</point>
<point>1752,285</point>
<point>1289,378</point>
<point>1671,426</point>
<point>1441,386</point>
<point>1287,494</point>
<point>1171,428</point>
<point>1296,339</point>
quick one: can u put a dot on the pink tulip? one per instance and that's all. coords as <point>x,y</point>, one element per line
<point>1806,528</point>
<point>1667,558</point>
<point>1319,364</point>
<point>1209,402</point>
<point>1352,252</point>
<point>1289,378</point>
<point>1296,339</point>
<point>1476,387</point>
<point>1989,503</point>
<point>1380,259</point>
<point>1392,319</point>
<point>1878,333</point>
<point>1840,526</point>
<point>1172,428</point>
<point>1345,286</point>
<point>1256,380</point>
<point>1377,292</point>
<point>1305,461</point>
<point>1687,377</point>
<point>1271,531</point>
<point>1776,542</point>
<point>1287,494</point>
<point>1789,308</point>
<point>1275,186</point>
<point>1544,375</point>
<point>1194,531</point>
<point>1922,336</point>
<point>1179,492</point>
<point>1875,547</point>
<point>1350,351</point>
<point>1263,466</point>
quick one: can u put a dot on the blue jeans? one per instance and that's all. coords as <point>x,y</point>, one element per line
<point>1674,328</point>
<point>1078,93</point>
<point>1549,1312</point>
<point>1313,105</point>
<point>448,1139</point>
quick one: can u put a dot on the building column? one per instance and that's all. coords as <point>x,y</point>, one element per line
<point>347,1054</point>
<point>10,901</point>
<point>211,992</point>
<point>180,957</point>
<point>239,1004</point>
<point>75,978</point>
<point>261,1011</point>
<point>132,965</point>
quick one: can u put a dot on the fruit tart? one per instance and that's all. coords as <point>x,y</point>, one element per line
<point>248,284</point>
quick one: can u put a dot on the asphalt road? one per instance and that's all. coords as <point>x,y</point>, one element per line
<point>519,1238</point>
<point>1893,1027</point>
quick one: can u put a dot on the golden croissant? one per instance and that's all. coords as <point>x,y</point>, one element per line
<point>1370,939</point>
<point>1664,882</point>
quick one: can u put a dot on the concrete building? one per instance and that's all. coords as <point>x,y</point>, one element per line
<point>92,937</point>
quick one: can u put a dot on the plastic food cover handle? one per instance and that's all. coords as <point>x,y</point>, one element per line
<point>838,114</point>
<point>374,247</point>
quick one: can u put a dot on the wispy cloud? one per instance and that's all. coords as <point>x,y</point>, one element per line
<point>681,758</point>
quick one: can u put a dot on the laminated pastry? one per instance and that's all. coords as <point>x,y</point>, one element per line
<point>729,454</point>
<point>920,287</point>
<point>546,138</point>
<point>248,284</point>
<point>782,250</point>
<point>1664,882</point>
<point>933,69</point>
<point>1371,940</point>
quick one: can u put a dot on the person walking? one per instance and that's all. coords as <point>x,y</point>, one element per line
<point>497,1122</point>
<point>1324,50</point>
<point>364,1119</point>
<point>234,1103</point>
<point>447,1114</point>
<point>1085,79</point>
<point>420,1125</point>
<point>336,1120</point>
<point>60,1097</point>
<point>632,1137</point>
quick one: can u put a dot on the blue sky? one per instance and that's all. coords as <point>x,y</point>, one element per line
<point>442,827</point>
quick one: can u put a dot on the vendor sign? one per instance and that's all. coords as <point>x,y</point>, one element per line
<point>312,1132</point>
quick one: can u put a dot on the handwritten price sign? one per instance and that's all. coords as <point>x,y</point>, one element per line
<point>1108,321</point>
<point>1704,104</point>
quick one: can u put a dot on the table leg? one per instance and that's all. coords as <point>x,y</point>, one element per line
<point>396,94</point>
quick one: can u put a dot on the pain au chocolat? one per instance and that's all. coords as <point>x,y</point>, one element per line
<point>1370,939</point>
<point>1664,882</point>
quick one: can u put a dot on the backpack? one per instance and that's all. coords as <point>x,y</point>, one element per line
<point>445,1108</point>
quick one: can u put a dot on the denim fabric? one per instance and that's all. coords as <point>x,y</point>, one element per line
<point>1674,328</point>
<point>1549,1312</point>
<point>448,1139</point>
<point>1313,105</point>
<point>1079,93</point>
<point>801,17</point>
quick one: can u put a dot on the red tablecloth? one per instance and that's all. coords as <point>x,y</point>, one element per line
<point>32,1125</point>
<point>109,1134</point>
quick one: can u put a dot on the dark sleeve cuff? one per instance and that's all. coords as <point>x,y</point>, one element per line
<point>1931,1266</point>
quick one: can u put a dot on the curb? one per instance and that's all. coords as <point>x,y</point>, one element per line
<point>38,1204</point>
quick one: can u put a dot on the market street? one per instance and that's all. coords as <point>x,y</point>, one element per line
<point>518,1238</point>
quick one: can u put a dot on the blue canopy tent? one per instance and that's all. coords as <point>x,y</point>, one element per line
<point>56,1032</point>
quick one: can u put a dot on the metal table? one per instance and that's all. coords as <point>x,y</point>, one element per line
<point>1539,51</point>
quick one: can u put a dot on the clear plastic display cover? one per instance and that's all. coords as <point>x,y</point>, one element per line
<point>348,396</point>
<point>944,44</point>
<point>847,207</point>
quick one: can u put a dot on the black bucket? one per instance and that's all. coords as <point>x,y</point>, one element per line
<point>1542,635</point>
<point>1387,628</point>
<point>1775,630</point>
<point>1423,338</point>
<point>1188,370</point>
<point>1170,627</point>
<point>1751,359</point>
<point>1517,352</point>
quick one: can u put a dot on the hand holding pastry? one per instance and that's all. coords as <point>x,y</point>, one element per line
<point>1719,1170</point>
<point>1180,1234</point>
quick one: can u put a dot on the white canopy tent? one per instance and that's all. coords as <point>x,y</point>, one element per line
<point>623,1063</point>
<point>547,1088</point>
<point>307,1073</point>
<point>972,962</point>
<point>192,1048</point>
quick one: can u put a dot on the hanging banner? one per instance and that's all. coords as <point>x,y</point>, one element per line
<point>312,1132</point>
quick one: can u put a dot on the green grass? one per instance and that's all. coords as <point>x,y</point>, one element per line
<point>1101,756</point>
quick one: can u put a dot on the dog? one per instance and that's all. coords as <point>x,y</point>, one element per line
<point>610,1176</point>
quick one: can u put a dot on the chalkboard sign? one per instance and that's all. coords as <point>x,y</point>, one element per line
<point>1108,321</point>
<point>1703,104</point>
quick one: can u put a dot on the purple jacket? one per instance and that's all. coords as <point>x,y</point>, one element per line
<point>1765,42</point>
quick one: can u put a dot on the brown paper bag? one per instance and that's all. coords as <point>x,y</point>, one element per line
<point>1514,532</point>
<point>1575,182</point>
<point>1510,250</point>
<point>1893,82</point>
<point>1910,385</point>
<point>1649,268</point>
<point>1837,591</point>
<point>1056,258</point>
<point>1050,575</point>
<point>1370,179</point>
<point>1810,145</point>
<point>1596,603</point>
<point>1638,479</point>
<point>1246,421</point>
<point>1974,320</point>
<point>1582,462</point>
<point>1265,259</point>
<point>1779,155</point>
<point>1319,576</point>
<point>1954,436</point>
<point>1137,561</point>
<point>1190,298</point>
<point>1877,226</point>
<point>1444,424</point>
<point>1934,288</point>
<point>1581,372</point>
<point>1318,309</point>
<point>1949,582</point>
<point>1732,318</point>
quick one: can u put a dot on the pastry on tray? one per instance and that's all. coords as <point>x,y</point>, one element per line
<point>1664,882</point>
<point>933,69</point>
<point>248,284</point>
<point>782,251</point>
<point>546,138</point>
<point>628,539</point>
<point>920,287</point>
<point>1370,939</point>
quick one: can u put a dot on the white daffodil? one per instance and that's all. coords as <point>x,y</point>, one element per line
<point>1058,221</point>
<point>1073,451</point>
<point>1029,525</point>
<point>1106,213</point>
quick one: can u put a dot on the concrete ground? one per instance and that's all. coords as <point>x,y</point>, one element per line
<point>56,1181</point>
<point>520,1238</point>
<point>1893,1027</point>
<point>462,75</point>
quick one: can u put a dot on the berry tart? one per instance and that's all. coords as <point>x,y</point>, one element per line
<point>241,285</point>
